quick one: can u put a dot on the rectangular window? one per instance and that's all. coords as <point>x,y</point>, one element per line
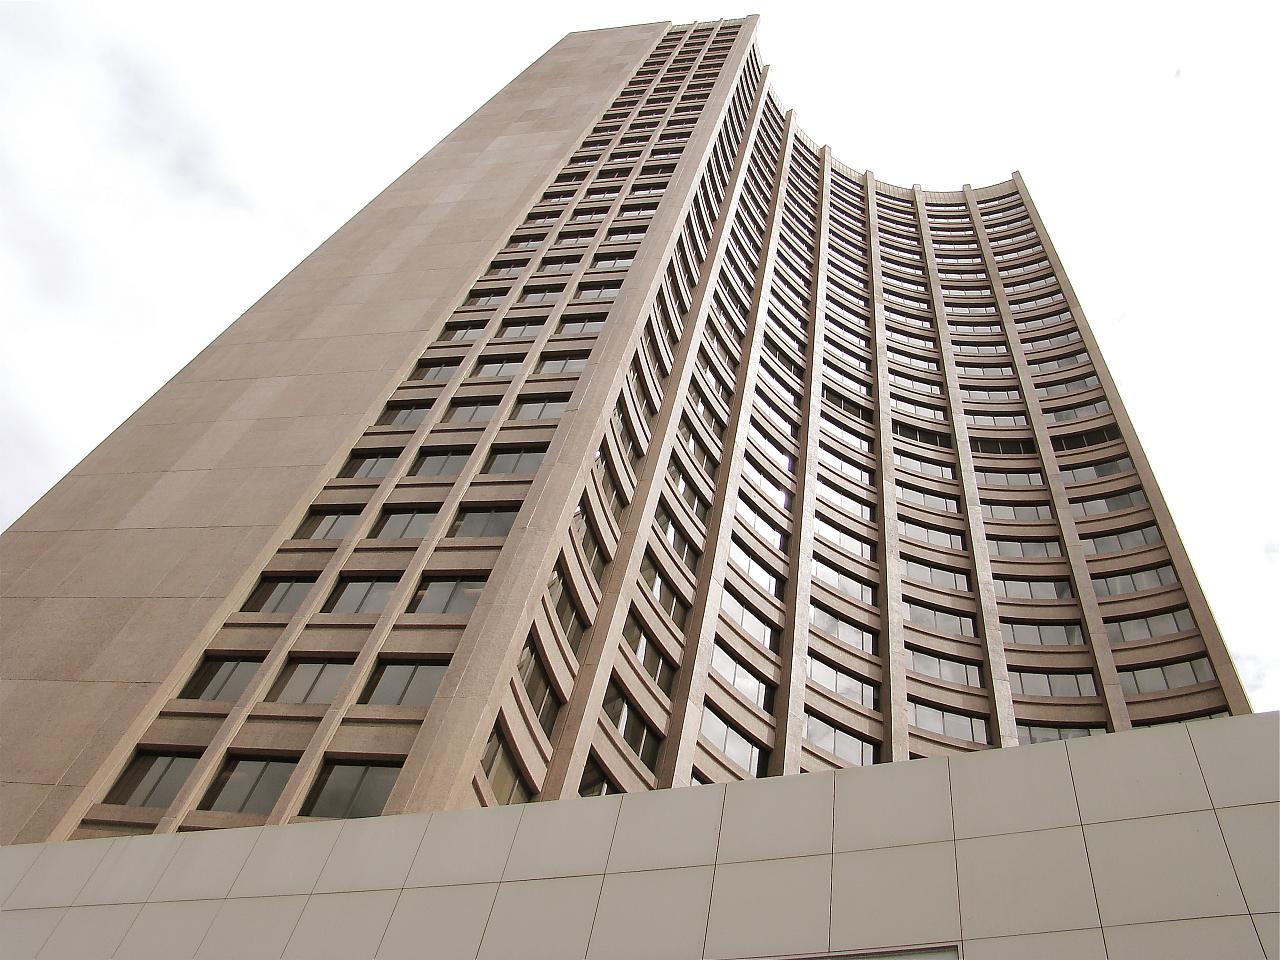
<point>562,363</point>
<point>497,366</point>
<point>220,678</point>
<point>726,738</point>
<point>1032,683</point>
<point>351,790</point>
<point>1124,540</point>
<point>1041,634</point>
<point>1024,548</point>
<point>844,744</point>
<point>327,525</point>
<point>1124,583</point>
<point>1147,628</point>
<point>585,535</point>
<point>466,332</point>
<point>471,411</point>
<point>541,408</point>
<point>663,593</point>
<point>1169,676</point>
<point>521,327</point>
<point>308,681</point>
<point>437,462</point>
<point>1037,733</point>
<point>1021,589</point>
<point>506,779</point>
<point>843,683</point>
<point>649,654</point>
<point>935,536</point>
<point>360,595</point>
<point>846,631</point>
<point>403,524</point>
<point>151,780</point>
<point>403,684</point>
<point>453,595</point>
<point>369,464</point>
<point>576,326</point>
<point>949,723</point>
<point>484,522</point>
<point>537,685</point>
<point>842,582</point>
<point>945,621</point>
<point>248,785</point>
<point>404,414</point>
<point>278,595</point>
<point>562,602</point>
<point>752,624</point>
<point>944,668</point>
<point>433,371</point>
<point>671,532</point>
<point>755,569</point>
<point>522,461</point>
<point>595,782</point>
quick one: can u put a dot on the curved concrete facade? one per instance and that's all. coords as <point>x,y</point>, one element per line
<point>628,441</point>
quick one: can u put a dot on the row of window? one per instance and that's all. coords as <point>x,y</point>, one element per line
<point>252,785</point>
<point>435,594</point>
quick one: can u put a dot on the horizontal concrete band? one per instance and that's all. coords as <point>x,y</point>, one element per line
<point>1154,843</point>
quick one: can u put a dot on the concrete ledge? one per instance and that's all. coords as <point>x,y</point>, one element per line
<point>1156,843</point>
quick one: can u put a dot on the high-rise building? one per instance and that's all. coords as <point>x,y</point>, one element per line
<point>628,440</point>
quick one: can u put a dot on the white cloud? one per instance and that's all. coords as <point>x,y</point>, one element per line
<point>161,168</point>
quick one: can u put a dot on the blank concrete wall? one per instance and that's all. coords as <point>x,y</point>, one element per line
<point>112,577</point>
<point>1158,843</point>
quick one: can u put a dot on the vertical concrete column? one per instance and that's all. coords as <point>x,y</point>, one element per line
<point>893,651</point>
<point>1232,688</point>
<point>1091,618</point>
<point>1000,696</point>
<point>791,720</point>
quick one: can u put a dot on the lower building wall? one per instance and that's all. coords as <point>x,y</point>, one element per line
<point>1158,843</point>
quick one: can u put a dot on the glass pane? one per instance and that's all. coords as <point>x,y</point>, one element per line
<point>335,790</point>
<point>269,786</point>
<point>327,682</point>
<point>296,680</point>
<point>374,789</point>
<point>423,685</point>
<point>1179,675</point>
<point>388,684</point>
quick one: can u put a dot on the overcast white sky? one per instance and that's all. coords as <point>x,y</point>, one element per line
<point>162,165</point>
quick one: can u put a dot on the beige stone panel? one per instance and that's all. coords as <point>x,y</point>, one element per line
<point>451,919</point>
<point>154,637</point>
<point>21,550</point>
<point>143,448</point>
<point>82,626</point>
<point>1162,868</point>
<point>402,317</point>
<point>18,803</point>
<point>630,903</point>
<point>1025,883</point>
<point>193,401</point>
<point>39,814</point>
<point>39,742</point>
<point>1061,945</point>
<point>84,503</point>
<point>89,933</point>
<point>1198,939</point>
<point>50,565</point>
<point>894,895</point>
<point>14,613</point>
<point>278,441</point>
